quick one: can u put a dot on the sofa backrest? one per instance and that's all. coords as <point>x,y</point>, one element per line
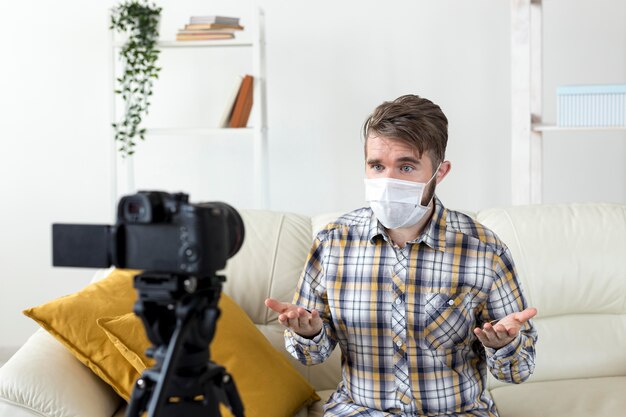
<point>571,260</point>
<point>269,264</point>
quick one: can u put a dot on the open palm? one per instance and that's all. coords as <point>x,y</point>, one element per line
<point>498,334</point>
<point>304,323</point>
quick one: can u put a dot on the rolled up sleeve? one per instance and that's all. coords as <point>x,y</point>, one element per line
<point>311,295</point>
<point>515,362</point>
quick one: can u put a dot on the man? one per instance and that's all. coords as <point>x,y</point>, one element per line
<point>422,300</point>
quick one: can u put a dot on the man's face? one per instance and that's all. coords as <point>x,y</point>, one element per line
<point>392,158</point>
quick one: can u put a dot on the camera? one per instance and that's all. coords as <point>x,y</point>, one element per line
<point>155,231</point>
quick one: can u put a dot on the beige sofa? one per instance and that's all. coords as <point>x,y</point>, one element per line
<point>572,263</point>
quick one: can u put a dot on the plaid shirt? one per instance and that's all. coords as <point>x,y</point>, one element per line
<point>404,317</point>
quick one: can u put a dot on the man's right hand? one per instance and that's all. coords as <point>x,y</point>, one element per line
<point>302,322</point>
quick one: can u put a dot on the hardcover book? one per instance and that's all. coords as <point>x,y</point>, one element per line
<point>203,37</point>
<point>243,104</point>
<point>211,26</point>
<point>223,20</point>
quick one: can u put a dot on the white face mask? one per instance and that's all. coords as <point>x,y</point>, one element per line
<point>396,203</point>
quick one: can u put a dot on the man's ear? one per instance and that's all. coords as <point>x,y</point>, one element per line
<point>444,169</point>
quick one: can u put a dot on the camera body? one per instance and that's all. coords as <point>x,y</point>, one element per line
<point>155,231</point>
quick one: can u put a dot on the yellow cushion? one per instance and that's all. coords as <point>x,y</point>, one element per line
<point>267,384</point>
<point>72,321</point>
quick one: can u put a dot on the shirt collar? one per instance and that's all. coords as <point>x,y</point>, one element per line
<point>376,229</point>
<point>434,234</point>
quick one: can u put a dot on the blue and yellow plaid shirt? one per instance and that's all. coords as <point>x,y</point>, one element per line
<point>404,317</point>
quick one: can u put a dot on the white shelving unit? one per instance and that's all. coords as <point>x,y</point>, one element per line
<point>123,167</point>
<point>527,126</point>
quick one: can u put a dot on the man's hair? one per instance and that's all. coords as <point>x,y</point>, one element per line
<point>416,121</point>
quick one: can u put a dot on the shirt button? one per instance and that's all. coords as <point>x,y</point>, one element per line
<point>399,343</point>
<point>451,302</point>
<point>398,301</point>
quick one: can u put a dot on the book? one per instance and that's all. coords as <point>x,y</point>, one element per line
<point>204,31</point>
<point>203,37</point>
<point>223,20</point>
<point>243,103</point>
<point>211,26</point>
<point>230,102</point>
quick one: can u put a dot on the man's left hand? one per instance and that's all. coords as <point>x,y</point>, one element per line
<point>505,330</point>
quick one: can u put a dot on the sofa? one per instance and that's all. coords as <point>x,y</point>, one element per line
<point>571,260</point>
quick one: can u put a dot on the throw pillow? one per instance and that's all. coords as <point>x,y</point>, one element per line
<point>267,384</point>
<point>72,321</point>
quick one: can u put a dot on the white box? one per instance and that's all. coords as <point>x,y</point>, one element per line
<point>591,106</point>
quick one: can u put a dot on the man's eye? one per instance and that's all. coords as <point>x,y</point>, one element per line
<point>377,167</point>
<point>407,168</point>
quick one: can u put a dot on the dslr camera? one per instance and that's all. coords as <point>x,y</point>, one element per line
<point>155,231</point>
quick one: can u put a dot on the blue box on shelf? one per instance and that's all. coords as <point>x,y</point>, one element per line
<point>591,105</point>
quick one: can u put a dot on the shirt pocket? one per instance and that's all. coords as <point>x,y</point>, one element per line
<point>447,319</point>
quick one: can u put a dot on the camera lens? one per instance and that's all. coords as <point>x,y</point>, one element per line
<point>235,228</point>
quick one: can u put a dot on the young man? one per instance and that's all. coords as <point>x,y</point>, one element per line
<point>422,300</point>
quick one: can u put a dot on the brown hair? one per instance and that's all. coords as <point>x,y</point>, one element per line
<point>417,121</point>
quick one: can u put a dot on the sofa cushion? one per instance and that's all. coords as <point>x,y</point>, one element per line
<point>44,379</point>
<point>598,397</point>
<point>317,410</point>
<point>267,383</point>
<point>566,255</point>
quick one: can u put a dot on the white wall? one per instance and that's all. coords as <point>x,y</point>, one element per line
<point>329,64</point>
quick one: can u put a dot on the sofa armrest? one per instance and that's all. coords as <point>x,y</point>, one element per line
<point>44,379</point>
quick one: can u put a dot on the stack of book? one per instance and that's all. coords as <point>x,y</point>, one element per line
<point>203,28</point>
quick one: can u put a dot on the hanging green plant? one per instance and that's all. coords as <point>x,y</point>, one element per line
<point>139,21</point>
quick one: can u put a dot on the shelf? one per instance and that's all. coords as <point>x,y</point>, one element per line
<point>198,44</point>
<point>253,43</point>
<point>197,131</point>
<point>554,128</point>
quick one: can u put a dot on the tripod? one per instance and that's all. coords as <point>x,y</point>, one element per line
<point>179,313</point>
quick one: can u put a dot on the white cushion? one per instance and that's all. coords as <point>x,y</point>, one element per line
<point>597,397</point>
<point>571,258</point>
<point>10,409</point>
<point>44,379</point>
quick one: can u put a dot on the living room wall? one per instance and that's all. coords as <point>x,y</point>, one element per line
<point>328,65</point>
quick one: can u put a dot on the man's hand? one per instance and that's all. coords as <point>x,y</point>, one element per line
<point>505,330</point>
<point>297,318</point>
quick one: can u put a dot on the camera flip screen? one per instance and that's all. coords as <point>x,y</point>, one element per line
<point>81,245</point>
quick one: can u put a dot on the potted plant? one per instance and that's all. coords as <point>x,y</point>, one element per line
<point>138,21</point>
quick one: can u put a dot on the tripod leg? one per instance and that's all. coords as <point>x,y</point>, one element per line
<point>140,397</point>
<point>158,400</point>
<point>234,401</point>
